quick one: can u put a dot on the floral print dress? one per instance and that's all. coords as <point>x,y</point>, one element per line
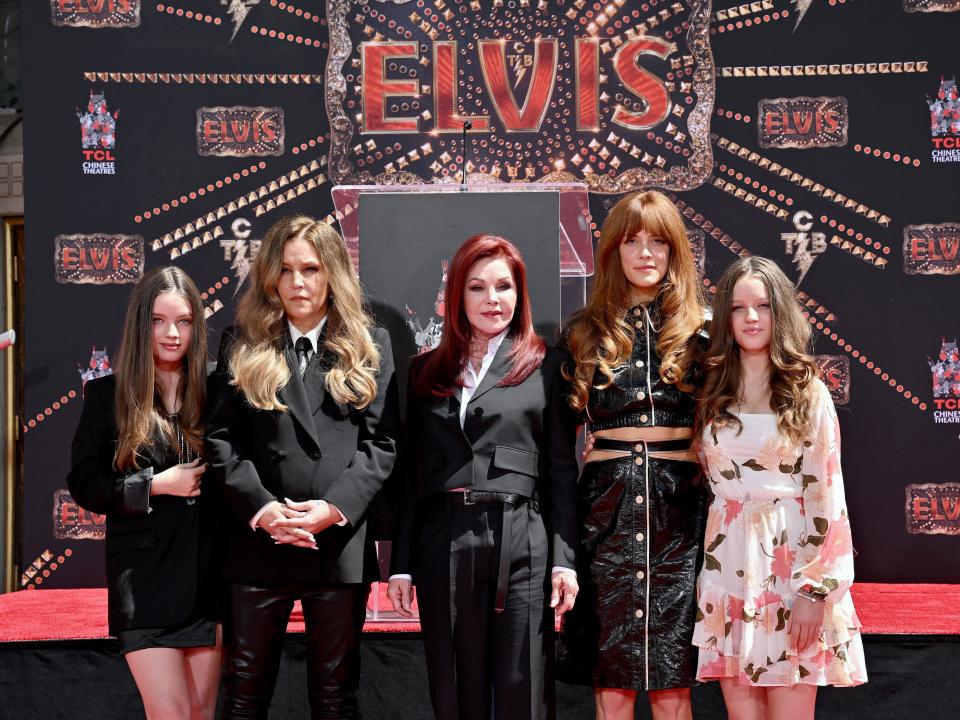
<point>778,523</point>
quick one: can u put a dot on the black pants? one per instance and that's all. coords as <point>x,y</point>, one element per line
<point>253,641</point>
<point>483,664</point>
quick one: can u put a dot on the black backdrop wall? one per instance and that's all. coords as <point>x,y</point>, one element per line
<point>178,132</point>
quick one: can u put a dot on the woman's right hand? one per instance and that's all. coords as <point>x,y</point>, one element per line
<point>587,443</point>
<point>401,594</point>
<point>181,480</point>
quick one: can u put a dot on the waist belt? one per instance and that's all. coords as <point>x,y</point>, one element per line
<point>507,501</point>
<point>482,497</point>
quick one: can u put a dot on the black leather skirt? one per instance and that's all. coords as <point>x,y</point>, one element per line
<point>643,521</point>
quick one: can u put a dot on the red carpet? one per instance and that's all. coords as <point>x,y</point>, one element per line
<point>34,615</point>
<point>908,609</point>
<point>82,614</point>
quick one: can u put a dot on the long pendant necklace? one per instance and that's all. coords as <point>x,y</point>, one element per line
<point>185,452</point>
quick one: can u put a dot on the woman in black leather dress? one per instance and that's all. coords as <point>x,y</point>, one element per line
<point>634,350</point>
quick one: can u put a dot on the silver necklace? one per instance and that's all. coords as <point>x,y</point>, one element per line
<point>185,452</point>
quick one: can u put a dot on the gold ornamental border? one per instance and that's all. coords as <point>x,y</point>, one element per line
<point>689,177</point>
<point>11,419</point>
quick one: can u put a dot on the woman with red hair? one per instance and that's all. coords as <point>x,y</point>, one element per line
<point>488,523</point>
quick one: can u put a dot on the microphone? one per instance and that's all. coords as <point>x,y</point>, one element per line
<point>467,125</point>
<point>7,339</point>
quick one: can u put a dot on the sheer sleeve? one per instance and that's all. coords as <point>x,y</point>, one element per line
<point>824,562</point>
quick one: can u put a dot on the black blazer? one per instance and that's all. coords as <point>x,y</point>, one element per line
<point>518,439</point>
<point>158,548</point>
<point>318,450</point>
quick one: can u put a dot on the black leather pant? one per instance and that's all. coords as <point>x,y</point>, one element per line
<point>253,643</point>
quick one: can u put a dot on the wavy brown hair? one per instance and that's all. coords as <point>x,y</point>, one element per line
<point>599,336</point>
<point>138,404</point>
<point>257,363</point>
<point>792,369</point>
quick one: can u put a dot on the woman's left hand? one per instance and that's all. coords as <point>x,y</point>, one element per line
<point>805,623</point>
<point>564,594</point>
<point>317,516</point>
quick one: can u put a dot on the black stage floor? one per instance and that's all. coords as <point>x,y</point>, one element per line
<point>910,677</point>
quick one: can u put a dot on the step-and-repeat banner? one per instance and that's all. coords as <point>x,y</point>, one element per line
<point>822,133</point>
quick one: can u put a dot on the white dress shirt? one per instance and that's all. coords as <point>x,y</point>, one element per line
<point>472,378</point>
<point>311,335</point>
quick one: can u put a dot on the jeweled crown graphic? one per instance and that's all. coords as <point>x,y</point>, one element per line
<point>945,109</point>
<point>946,371</point>
<point>98,366</point>
<point>98,128</point>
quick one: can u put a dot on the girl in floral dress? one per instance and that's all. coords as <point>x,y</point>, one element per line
<point>775,619</point>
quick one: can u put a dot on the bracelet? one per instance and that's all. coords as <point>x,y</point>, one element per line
<point>808,593</point>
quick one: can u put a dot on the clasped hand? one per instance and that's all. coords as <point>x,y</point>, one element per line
<point>181,480</point>
<point>297,523</point>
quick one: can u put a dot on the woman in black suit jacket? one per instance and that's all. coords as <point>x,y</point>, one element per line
<point>303,414</point>
<point>136,459</point>
<point>490,505</point>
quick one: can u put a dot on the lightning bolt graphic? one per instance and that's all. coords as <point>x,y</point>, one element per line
<point>520,71</point>
<point>801,6</point>
<point>803,260</point>
<point>238,11</point>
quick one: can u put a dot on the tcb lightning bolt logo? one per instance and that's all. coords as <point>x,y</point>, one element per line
<point>238,11</point>
<point>240,250</point>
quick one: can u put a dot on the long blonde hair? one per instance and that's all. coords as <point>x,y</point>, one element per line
<point>257,363</point>
<point>792,369</point>
<point>599,337</point>
<point>138,402</point>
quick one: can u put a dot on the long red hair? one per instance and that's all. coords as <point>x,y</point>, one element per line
<point>439,372</point>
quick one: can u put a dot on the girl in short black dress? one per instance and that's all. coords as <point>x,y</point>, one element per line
<point>136,459</point>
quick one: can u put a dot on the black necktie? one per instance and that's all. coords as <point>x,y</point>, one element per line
<point>303,348</point>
